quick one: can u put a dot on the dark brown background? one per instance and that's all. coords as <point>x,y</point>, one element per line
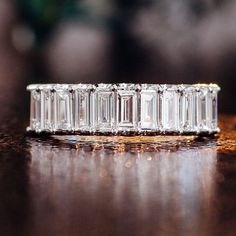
<point>143,41</point>
<point>65,186</point>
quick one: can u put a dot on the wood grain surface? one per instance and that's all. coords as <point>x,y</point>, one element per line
<point>78,185</point>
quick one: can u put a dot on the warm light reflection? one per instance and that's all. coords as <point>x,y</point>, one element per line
<point>126,139</point>
<point>150,188</point>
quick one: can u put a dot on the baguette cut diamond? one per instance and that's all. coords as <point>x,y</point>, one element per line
<point>104,110</point>
<point>189,111</point>
<point>170,109</point>
<point>82,99</point>
<point>63,110</point>
<point>148,109</point>
<point>211,109</point>
<point>35,110</point>
<point>47,115</point>
<point>159,109</point>
<point>201,108</point>
<point>124,108</point>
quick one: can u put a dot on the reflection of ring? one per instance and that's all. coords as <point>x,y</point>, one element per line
<point>123,108</point>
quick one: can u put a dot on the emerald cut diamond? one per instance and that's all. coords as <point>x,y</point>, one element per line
<point>35,110</point>
<point>212,110</point>
<point>63,111</point>
<point>103,108</point>
<point>126,110</point>
<point>188,110</point>
<point>82,108</point>
<point>148,109</point>
<point>170,109</point>
<point>47,108</point>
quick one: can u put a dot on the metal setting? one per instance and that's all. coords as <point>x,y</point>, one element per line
<point>123,108</point>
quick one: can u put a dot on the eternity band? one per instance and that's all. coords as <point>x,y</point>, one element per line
<point>123,109</point>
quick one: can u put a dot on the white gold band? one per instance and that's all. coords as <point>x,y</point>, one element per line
<point>123,108</point>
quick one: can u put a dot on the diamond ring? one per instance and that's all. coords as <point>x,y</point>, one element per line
<point>123,109</point>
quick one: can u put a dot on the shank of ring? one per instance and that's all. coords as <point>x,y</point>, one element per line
<point>123,108</point>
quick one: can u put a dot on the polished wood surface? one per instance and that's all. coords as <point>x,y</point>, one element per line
<point>67,185</point>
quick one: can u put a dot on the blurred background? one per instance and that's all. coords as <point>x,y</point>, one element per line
<point>143,41</point>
